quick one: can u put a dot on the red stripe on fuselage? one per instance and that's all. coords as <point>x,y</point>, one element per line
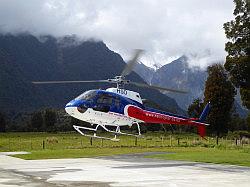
<point>154,117</point>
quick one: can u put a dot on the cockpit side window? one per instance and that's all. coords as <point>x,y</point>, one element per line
<point>104,99</point>
<point>87,95</point>
<point>104,102</point>
<point>117,102</point>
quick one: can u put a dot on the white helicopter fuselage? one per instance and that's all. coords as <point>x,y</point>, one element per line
<point>103,118</point>
<point>111,118</point>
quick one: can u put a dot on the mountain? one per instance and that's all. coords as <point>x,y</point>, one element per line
<point>25,58</point>
<point>179,75</point>
<point>144,71</point>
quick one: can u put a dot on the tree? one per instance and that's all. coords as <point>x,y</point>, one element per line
<point>195,109</point>
<point>248,121</point>
<point>237,123</point>
<point>238,49</point>
<point>36,121</point>
<point>2,123</point>
<point>220,92</point>
<point>50,120</point>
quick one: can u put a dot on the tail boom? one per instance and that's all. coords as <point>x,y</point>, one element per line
<point>157,117</point>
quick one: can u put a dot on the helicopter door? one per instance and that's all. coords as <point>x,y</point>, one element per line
<point>103,103</point>
<point>116,106</point>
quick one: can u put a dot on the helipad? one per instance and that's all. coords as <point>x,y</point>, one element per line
<point>126,170</point>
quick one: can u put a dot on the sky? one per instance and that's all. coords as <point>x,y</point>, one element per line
<point>165,29</point>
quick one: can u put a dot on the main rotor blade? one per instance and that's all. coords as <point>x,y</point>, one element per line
<point>130,65</point>
<point>157,87</point>
<point>68,82</point>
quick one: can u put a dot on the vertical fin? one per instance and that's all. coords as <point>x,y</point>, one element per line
<point>202,128</point>
<point>205,112</point>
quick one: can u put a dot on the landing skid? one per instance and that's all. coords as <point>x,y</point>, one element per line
<point>81,130</point>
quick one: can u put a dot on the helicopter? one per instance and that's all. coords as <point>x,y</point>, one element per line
<point>115,107</point>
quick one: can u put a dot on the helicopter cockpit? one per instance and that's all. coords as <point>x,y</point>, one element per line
<point>98,100</point>
<point>83,101</point>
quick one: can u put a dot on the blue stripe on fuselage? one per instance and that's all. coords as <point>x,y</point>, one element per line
<point>124,101</point>
<point>92,103</point>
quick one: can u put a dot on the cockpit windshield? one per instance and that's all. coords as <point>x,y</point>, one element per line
<point>87,95</point>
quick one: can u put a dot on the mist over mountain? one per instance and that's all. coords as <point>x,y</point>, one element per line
<point>25,58</point>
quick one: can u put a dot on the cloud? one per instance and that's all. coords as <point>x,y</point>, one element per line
<point>166,29</point>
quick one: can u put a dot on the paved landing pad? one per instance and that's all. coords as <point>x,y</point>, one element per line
<point>125,170</point>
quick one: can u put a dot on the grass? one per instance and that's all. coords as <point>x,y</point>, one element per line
<point>197,154</point>
<point>84,153</point>
<point>73,145</point>
<point>35,141</point>
<point>210,155</point>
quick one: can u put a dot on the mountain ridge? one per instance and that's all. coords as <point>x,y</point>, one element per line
<point>25,58</point>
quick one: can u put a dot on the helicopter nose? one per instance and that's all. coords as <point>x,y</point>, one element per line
<point>70,110</point>
<point>80,105</point>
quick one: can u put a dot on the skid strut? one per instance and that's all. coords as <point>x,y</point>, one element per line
<point>81,130</point>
